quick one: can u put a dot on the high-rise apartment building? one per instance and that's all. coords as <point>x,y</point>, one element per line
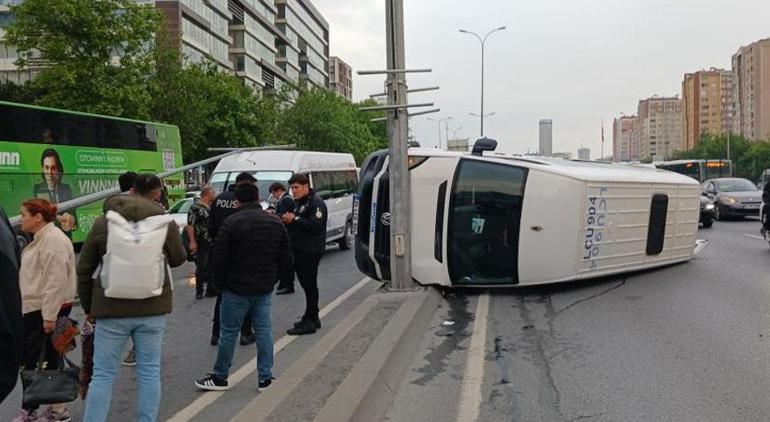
<point>707,105</point>
<point>660,127</point>
<point>341,78</point>
<point>625,139</point>
<point>304,52</point>
<point>546,137</point>
<point>264,42</point>
<point>584,154</point>
<point>751,65</point>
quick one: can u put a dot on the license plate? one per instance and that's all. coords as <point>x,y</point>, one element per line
<point>356,204</point>
<point>751,206</point>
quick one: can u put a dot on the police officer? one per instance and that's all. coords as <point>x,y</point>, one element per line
<point>225,205</point>
<point>307,231</point>
<point>280,204</point>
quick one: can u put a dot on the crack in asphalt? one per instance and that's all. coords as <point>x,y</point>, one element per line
<point>594,296</point>
<point>582,417</point>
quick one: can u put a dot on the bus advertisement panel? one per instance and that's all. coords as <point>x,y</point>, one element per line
<point>59,156</point>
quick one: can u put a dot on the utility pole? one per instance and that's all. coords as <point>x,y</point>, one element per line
<point>398,132</point>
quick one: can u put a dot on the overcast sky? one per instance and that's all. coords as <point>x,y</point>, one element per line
<point>574,61</point>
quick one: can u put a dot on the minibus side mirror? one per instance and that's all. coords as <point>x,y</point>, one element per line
<point>484,144</point>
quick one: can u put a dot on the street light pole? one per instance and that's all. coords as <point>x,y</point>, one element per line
<point>483,41</point>
<point>446,123</point>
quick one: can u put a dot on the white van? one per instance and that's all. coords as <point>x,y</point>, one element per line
<point>494,220</point>
<point>333,177</point>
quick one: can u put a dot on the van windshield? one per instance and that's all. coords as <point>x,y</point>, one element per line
<point>221,181</point>
<point>484,220</point>
<point>267,178</point>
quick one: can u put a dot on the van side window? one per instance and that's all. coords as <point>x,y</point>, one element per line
<point>656,231</point>
<point>484,220</point>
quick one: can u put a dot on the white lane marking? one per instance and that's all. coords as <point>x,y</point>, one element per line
<point>470,393</point>
<point>754,236</point>
<point>205,400</point>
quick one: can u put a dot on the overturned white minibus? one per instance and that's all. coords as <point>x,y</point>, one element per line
<point>488,219</point>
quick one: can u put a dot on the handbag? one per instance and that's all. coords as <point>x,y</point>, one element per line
<point>50,386</point>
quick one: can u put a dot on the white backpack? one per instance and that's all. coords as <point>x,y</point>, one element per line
<point>134,266</point>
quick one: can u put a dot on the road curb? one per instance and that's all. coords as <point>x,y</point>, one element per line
<point>371,386</point>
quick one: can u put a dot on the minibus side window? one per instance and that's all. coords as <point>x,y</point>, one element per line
<point>484,220</point>
<point>656,231</point>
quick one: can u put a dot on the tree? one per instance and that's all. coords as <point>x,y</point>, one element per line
<point>96,53</point>
<point>15,93</point>
<point>320,120</point>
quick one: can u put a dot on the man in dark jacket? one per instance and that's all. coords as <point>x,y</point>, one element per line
<point>281,203</point>
<point>10,308</point>
<point>250,252</point>
<point>144,321</point>
<point>307,231</point>
<point>225,205</point>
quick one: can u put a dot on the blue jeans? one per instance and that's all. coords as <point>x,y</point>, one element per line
<point>234,309</point>
<point>111,337</point>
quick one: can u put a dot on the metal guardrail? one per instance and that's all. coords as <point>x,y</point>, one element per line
<point>63,207</point>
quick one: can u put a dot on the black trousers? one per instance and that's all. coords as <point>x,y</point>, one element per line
<point>201,266</point>
<point>36,339</point>
<point>306,266</point>
<point>247,328</point>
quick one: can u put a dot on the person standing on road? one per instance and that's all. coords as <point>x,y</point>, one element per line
<point>307,231</point>
<point>126,183</point>
<point>766,210</point>
<point>281,203</point>
<point>251,251</point>
<point>47,281</point>
<point>10,308</point>
<point>197,232</point>
<point>142,320</point>
<point>225,205</point>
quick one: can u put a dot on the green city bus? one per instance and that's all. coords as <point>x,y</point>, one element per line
<point>61,155</point>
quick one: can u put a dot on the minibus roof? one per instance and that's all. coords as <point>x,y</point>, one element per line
<point>285,161</point>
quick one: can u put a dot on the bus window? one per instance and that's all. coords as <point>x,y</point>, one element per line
<point>484,220</point>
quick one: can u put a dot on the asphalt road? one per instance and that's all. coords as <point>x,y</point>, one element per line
<point>685,343</point>
<point>187,354</point>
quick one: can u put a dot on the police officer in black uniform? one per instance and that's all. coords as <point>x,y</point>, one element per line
<point>307,231</point>
<point>224,206</point>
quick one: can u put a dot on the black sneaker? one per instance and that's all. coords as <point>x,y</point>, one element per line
<point>263,384</point>
<point>316,321</point>
<point>198,296</point>
<point>304,327</point>
<point>285,291</point>
<point>212,382</point>
<point>248,339</point>
<point>214,340</point>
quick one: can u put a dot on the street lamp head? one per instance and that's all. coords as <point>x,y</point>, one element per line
<point>502,28</point>
<point>463,31</point>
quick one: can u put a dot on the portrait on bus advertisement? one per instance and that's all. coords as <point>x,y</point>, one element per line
<point>62,173</point>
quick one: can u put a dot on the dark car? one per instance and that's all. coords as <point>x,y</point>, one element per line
<point>707,211</point>
<point>733,197</point>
